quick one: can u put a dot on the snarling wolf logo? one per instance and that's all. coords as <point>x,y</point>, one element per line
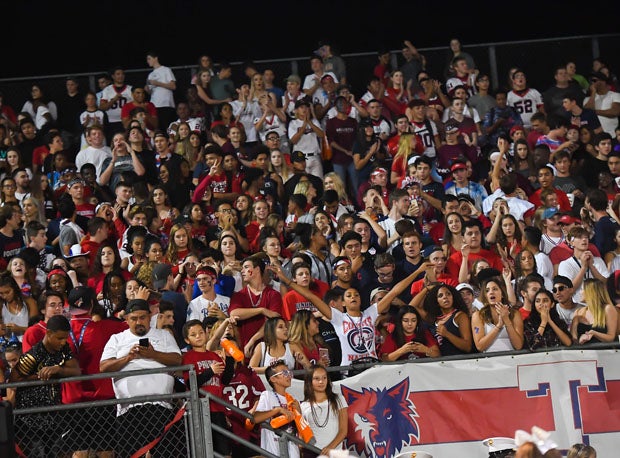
<point>381,421</point>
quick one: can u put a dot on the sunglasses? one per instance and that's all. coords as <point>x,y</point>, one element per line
<point>558,289</point>
<point>285,372</point>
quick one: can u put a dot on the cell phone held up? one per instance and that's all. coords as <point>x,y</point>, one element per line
<point>144,342</point>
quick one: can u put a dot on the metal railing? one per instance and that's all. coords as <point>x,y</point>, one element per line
<point>62,429</point>
<point>191,437</point>
<point>537,57</point>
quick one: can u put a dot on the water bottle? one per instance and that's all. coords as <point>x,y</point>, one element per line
<point>231,348</point>
<point>279,421</point>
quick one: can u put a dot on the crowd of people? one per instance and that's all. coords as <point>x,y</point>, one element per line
<point>310,226</point>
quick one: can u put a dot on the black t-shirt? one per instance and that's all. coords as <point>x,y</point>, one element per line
<point>29,364</point>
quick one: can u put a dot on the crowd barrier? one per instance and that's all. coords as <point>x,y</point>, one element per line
<point>446,406</point>
<point>56,431</point>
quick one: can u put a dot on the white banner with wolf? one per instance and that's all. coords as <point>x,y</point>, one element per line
<point>448,407</point>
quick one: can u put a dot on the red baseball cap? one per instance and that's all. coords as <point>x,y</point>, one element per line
<point>568,219</point>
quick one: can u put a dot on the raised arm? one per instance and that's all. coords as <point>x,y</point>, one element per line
<point>325,309</point>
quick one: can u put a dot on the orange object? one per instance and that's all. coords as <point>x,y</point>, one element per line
<point>303,428</point>
<point>279,421</point>
<point>232,349</point>
<point>249,424</point>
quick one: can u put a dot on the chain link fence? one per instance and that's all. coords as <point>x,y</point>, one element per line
<point>162,425</point>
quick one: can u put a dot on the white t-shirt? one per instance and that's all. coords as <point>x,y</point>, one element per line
<point>108,93</point>
<point>356,334</point>
<point>198,307</point>
<point>94,156</point>
<point>604,102</point>
<point>119,345</point>
<point>526,104</point>
<point>323,420</point>
<point>161,96</point>
<point>246,115</point>
<point>309,80</point>
<point>269,440</point>
<point>308,142</point>
<point>545,268</point>
<point>570,268</point>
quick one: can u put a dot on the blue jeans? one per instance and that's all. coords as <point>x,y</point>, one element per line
<point>348,170</point>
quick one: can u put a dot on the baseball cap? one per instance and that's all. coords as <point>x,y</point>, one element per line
<point>81,299</point>
<point>375,291</point>
<point>494,156</point>
<point>68,170</point>
<point>160,274</point>
<point>497,444</point>
<point>513,129</point>
<point>75,251</point>
<point>599,76</point>
<point>301,102</point>
<point>462,286</point>
<point>451,128</point>
<point>549,212</point>
<point>487,273</point>
<point>562,280</point>
<point>137,305</point>
<point>458,166</point>
<point>293,79</point>
<point>569,219</point>
<point>298,156</point>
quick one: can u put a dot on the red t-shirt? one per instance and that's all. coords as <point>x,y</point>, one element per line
<point>91,343</point>
<point>563,201</point>
<point>33,335</point>
<point>96,280</point>
<point>201,361</point>
<point>454,262</point>
<point>245,299</point>
<point>293,301</point>
<point>418,285</point>
<point>243,391</point>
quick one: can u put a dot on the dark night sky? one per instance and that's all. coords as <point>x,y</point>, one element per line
<point>122,31</point>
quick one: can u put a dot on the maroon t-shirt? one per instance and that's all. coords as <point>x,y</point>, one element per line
<point>245,299</point>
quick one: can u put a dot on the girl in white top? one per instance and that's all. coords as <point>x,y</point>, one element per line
<point>324,410</point>
<point>355,328</point>
<point>497,326</point>
<point>275,346</point>
<point>16,309</point>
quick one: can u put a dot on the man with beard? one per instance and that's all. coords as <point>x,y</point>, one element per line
<point>141,347</point>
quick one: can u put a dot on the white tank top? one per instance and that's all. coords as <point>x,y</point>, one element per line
<point>267,359</point>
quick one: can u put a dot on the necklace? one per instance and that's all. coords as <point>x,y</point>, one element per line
<point>315,417</point>
<point>260,297</point>
<point>15,309</point>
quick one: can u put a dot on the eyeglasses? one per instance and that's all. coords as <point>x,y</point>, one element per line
<point>227,210</point>
<point>384,274</point>
<point>10,186</point>
<point>285,372</point>
<point>558,289</point>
